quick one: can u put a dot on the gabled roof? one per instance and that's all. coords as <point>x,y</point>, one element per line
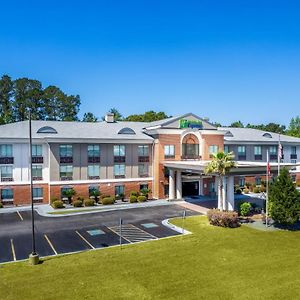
<point>255,135</point>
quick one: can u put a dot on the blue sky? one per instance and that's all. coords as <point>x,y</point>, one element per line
<point>226,60</point>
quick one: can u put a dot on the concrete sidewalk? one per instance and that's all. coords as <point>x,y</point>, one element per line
<point>194,207</point>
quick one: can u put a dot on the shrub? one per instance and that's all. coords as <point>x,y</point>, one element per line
<point>246,191</point>
<point>248,184</point>
<point>95,193</point>
<point>89,202</point>
<point>134,193</point>
<point>1,205</point>
<point>57,204</point>
<point>141,198</point>
<point>69,193</point>
<point>256,190</point>
<point>102,196</point>
<point>108,200</point>
<point>145,192</point>
<point>238,191</point>
<point>262,189</point>
<point>80,198</point>
<point>133,199</point>
<point>77,203</point>
<point>245,209</point>
<point>53,200</point>
<point>223,218</point>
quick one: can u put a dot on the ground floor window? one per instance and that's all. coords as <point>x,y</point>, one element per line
<point>64,189</point>
<point>37,193</point>
<point>119,190</point>
<point>166,188</point>
<point>241,181</point>
<point>7,195</point>
<point>143,186</point>
<point>257,180</point>
<point>93,188</point>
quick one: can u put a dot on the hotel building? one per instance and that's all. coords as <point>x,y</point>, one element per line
<point>167,156</point>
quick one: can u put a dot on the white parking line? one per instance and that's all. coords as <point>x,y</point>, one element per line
<point>50,244</point>
<point>84,239</point>
<point>13,249</point>
<point>19,214</point>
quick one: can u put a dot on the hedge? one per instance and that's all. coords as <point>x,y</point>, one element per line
<point>77,203</point>
<point>223,218</point>
<point>133,199</point>
<point>89,202</point>
<point>108,200</point>
<point>245,209</point>
<point>1,205</point>
<point>57,204</point>
<point>141,198</point>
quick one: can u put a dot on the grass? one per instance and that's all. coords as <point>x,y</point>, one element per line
<point>212,263</point>
<point>72,211</point>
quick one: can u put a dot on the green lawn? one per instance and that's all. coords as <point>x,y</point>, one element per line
<point>212,263</point>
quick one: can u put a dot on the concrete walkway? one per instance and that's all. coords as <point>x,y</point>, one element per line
<point>194,207</point>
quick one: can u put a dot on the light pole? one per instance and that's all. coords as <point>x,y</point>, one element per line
<point>33,256</point>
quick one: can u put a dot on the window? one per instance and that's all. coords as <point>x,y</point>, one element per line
<point>241,181</point>
<point>119,189</point>
<point>37,193</point>
<point>93,150</point>
<point>257,180</point>
<point>143,150</point>
<point>257,150</point>
<point>93,188</point>
<point>66,171</point>
<point>37,172</point>
<point>293,161</point>
<point>273,150</point>
<point>65,150</point>
<point>241,150</point>
<point>213,149</point>
<point>37,150</point>
<point>226,149</point>
<point>46,129</point>
<point>293,150</point>
<point>6,150</point>
<point>94,171</point>
<point>119,150</point>
<point>7,194</point>
<point>143,170</point>
<point>169,150</point>
<point>119,170</point>
<point>6,173</point>
<point>126,130</point>
<point>144,187</point>
<point>63,190</point>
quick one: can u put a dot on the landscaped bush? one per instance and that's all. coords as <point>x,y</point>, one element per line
<point>89,202</point>
<point>262,189</point>
<point>80,198</point>
<point>245,209</point>
<point>134,193</point>
<point>256,190</point>
<point>78,203</point>
<point>246,191</point>
<point>108,200</point>
<point>57,204</point>
<point>53,200</point>
<point>141,198</point>
<point>238,191</point>
<point>133,199</point>
<point>1,205</point>
<point>223,218</point>
<point>102,196</point>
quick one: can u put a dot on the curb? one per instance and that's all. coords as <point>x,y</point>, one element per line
<point>178,229</point>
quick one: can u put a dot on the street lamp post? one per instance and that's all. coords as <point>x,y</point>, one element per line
<point>33,256</point>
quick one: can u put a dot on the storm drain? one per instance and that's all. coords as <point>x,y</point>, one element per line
<point>132,233</point>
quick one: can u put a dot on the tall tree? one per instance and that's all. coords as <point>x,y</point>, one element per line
<point>220,165</point>
<point>118,116</point>
<point>89,117</point>
<point>6,93</point>
<point>70,108</point>
<point>294,127</point>
<point>237,124</point>
<point>148,116</point>
<point>272,127</point>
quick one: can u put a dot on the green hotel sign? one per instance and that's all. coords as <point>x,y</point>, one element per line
<point>183,123</point>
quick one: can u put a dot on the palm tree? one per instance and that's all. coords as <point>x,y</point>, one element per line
<point>220,165</point>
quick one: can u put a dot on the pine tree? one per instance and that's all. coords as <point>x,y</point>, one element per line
<point>284,199</point>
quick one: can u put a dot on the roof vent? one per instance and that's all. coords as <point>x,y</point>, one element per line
<point>47,129</point>
<point>267,135</point>
<point>229,134</point>
<point>126,130</point>
<point>110,118</point>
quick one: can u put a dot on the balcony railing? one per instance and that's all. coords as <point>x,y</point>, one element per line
<point>37,178</point>
<point>143,158</point>
<point>293,156</point>
<point>6,160</point>
<point>66,160</point>
<point>94,177</point>
<point>94,159</point>
<point>119,176</point>
<point>169,156</point>
<point>242,157</point>
<point>190,156</point>
<point>144,175</point>
<point>37,159</point>
<point>119,159</point>
<point>64,178</point>
<point>258,157</point>
<point>6,179</point>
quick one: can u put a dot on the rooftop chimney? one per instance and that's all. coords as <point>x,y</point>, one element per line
<point>110,118</point>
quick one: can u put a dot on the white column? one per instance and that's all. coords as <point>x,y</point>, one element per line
<point>178,185</point>
<point>230,193</point>
<point>224,189</point>
<point>218,191</point>
<point>201,186</point>
<point>172,184</point>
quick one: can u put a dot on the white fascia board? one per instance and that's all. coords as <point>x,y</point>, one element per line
<point>12,183</point>
<point>120,180</point>
<point>212,132</point>
<point>101,141</point>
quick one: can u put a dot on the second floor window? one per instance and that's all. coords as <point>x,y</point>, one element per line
<point>6,172</point>
<point>143,150</point>
<point>169,150</point>
<point>143,169</point>
<point>94,171</point>
<point>93,150</point>
<point>119,170</point>
<point>226,149</point>
<point>66,171</point>
<point>65,151</point>
<point>241,150</point>
<point>213,149</point>
<point>273,150</point>
<point>6,151</point>
<point>257,150</point>
<point>37,150</point>
<point>37,171</point>
<point>119,150</point>
<point>293,150</point>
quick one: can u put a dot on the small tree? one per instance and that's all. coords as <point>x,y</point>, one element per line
<point>220,165</point>
<point>284,199</point>
<point>69,193</point>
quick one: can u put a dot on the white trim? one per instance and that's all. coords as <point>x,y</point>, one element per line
<point>12,183</point>
<point>119,180</point>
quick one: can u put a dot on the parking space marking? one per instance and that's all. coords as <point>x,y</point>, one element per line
<point>13,249</point>
<point>84,239</point>
<point>50,244</point>
<point>20,216</point>
<point>132,233</point>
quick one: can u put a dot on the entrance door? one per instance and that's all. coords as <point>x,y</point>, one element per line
<point>190,188</point>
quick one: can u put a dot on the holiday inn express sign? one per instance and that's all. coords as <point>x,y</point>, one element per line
<point>183,123</point>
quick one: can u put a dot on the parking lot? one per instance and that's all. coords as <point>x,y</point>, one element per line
<point>83,232</point>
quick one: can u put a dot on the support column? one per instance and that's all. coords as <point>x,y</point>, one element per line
<point>201,189</point>
<point>171,184</point>
<point>178,185</point>
<point>230,193</point>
